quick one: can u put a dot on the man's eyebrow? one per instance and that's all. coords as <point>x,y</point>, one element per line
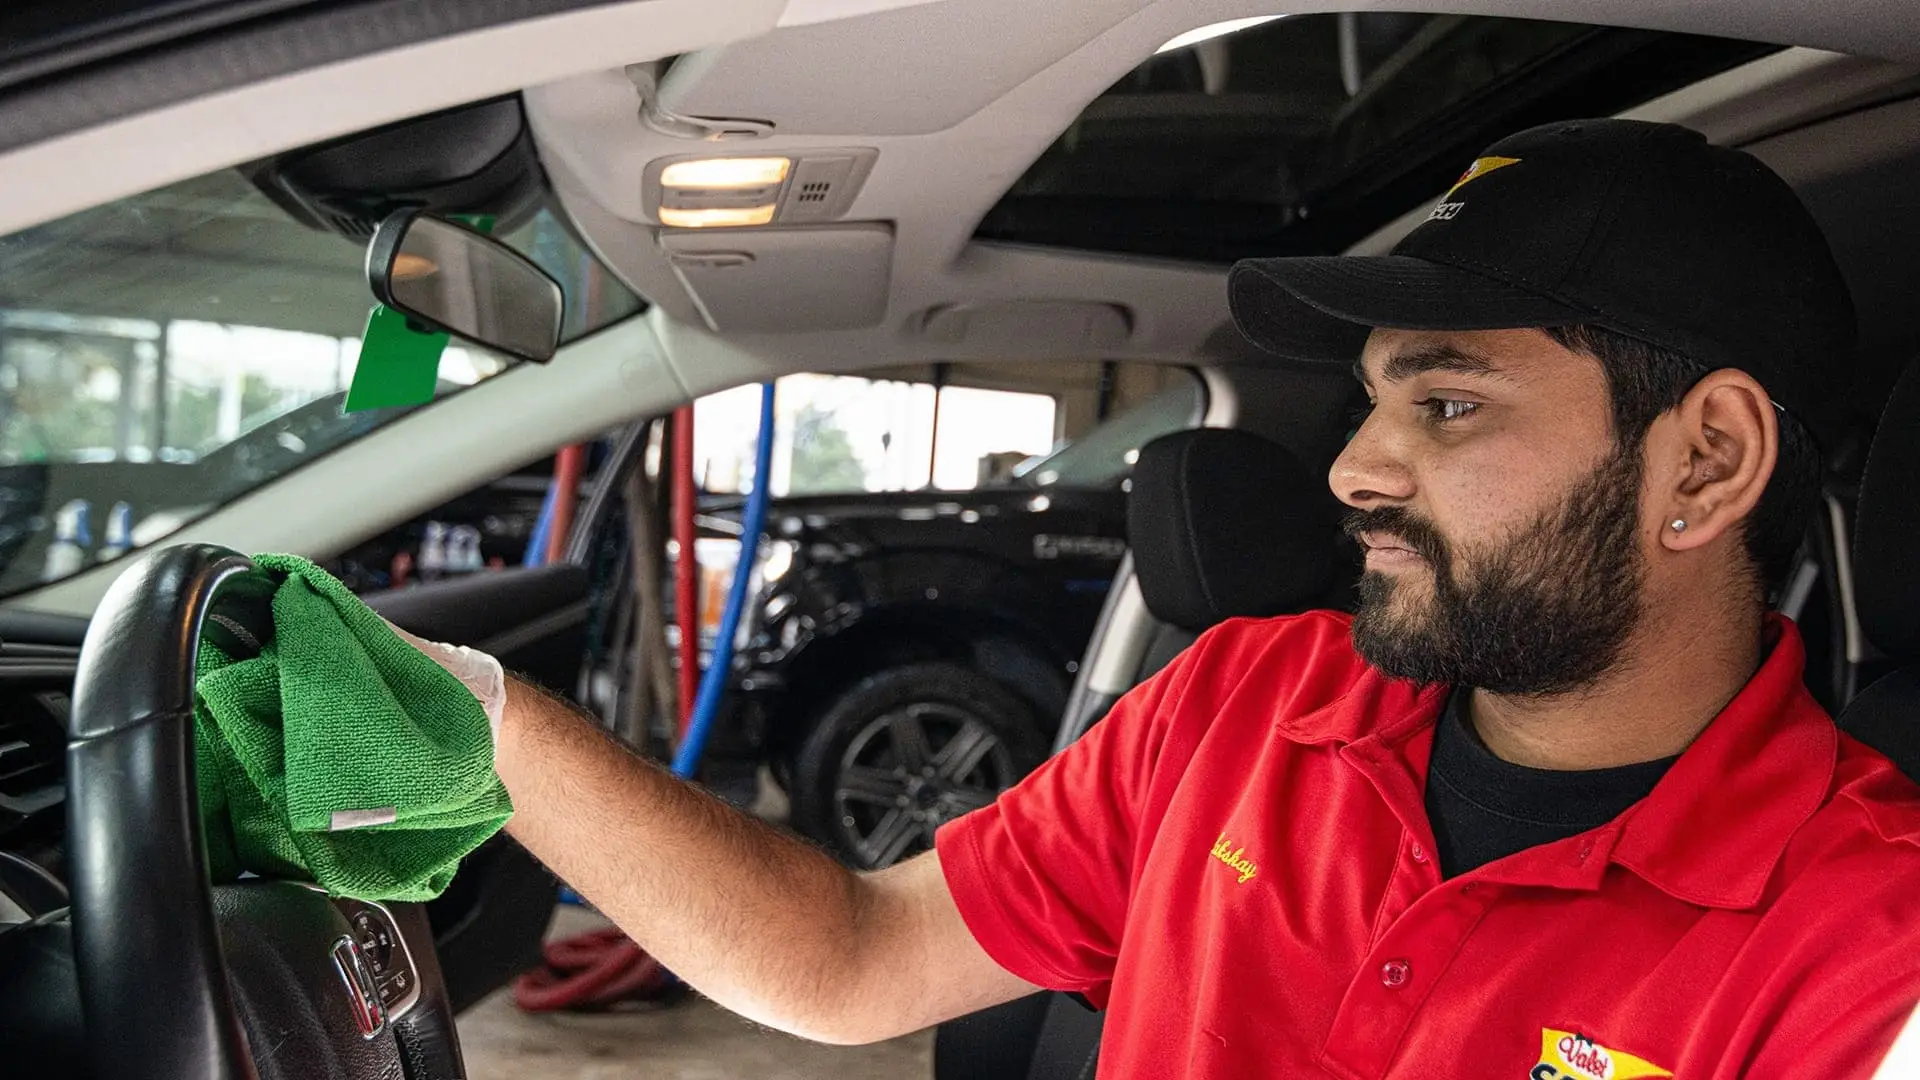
<point>1424,358</point>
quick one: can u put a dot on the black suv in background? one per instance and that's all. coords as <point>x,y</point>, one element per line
<point>907,654</point>
<point>911,652</point>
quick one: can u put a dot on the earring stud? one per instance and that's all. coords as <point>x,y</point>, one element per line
<point>1679,525</point>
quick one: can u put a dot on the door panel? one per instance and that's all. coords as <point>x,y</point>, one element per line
<point>534,620</point>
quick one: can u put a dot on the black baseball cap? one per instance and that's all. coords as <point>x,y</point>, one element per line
<point>1645,229</point>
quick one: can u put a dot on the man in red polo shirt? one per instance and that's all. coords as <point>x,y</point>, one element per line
<point>1553,802</point>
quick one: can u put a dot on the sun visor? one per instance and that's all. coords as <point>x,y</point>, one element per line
<point>1067,327</point>
<point>784,280</point>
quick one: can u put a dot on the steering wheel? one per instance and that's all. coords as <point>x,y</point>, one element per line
<point>254,980</point>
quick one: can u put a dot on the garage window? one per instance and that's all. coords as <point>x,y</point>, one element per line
<point>1059,425</point>
<point>836,434</point>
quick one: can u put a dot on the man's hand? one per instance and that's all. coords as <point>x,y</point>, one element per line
<point>756,920</point>
<point>479,673</point>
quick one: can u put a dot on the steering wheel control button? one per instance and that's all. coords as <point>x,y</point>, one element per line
<point>376,940</point>
<point>377,936</point>
<point>363,994</point>
<point>1395,974</point>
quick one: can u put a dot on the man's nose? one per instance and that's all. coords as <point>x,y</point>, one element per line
<point>1368,472</point>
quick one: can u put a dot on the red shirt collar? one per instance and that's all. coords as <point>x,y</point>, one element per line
<point>1717,823</point>
<point>1710,833</point>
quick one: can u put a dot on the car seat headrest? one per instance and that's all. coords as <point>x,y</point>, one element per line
<point>1886,531</point>
<point>1224,523</point>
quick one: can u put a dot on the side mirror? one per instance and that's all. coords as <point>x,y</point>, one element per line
<point>473,286</point>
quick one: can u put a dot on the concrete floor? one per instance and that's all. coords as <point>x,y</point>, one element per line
<point>694,1040</point>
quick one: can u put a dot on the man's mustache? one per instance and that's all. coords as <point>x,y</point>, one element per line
<point>1412,530</point>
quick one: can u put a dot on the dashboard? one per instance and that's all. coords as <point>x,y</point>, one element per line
<point>36,683</point>
<point>40,1015</point>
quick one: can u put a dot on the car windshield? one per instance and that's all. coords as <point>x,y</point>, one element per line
<point>1105,455</point>
<point>165,354</point>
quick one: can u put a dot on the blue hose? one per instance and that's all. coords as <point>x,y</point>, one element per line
<point>706,707</point>
<point>536,553</point>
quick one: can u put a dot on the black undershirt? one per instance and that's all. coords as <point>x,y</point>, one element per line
<point>1483,808</point>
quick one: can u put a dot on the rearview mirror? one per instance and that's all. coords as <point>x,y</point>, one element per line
<point>454,279</point>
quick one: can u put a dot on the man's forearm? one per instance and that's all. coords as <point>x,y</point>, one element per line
<point>754,919</point>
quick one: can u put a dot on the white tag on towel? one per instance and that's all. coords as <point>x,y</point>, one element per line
<point>343,820</point>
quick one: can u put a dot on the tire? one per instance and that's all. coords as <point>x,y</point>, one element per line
<point>856,788</point>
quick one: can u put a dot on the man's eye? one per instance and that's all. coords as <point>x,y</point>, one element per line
<point>1442,410</point>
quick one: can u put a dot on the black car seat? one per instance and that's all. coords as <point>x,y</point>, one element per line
<point>1221,523</point>
<point>1886,581</point>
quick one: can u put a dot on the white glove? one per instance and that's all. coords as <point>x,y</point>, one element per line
<point>481,674</point>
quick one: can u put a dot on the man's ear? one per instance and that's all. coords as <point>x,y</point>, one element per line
<point>1716,453</point>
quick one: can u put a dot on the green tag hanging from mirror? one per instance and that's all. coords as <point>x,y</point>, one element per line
<point>399,365</point>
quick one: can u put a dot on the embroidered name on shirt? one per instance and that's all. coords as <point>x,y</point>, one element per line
<point>1224,850</point>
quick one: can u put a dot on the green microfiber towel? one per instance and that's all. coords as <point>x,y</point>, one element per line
<point>331,751</point>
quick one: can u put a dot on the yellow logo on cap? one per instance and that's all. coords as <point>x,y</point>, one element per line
<point>1569,1055</point>
<point>1480,168</point>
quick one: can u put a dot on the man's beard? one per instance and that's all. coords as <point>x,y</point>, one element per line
<point>1546,612</point>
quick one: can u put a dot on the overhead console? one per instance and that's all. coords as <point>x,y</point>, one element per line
<point>749,237</point>
<point>751,229</point>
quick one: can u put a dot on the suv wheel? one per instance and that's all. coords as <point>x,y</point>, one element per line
<point>902,752</point>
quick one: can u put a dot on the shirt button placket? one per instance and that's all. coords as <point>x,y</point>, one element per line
<point>1413,877</point>
<point>1406,965</point>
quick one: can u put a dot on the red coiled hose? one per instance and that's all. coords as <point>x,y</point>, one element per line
<point>590,971</point>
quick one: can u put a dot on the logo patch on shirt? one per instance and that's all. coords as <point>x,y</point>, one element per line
<point>1446,210</point>
<point>1569,1055</point>
<point>1224,850</point>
